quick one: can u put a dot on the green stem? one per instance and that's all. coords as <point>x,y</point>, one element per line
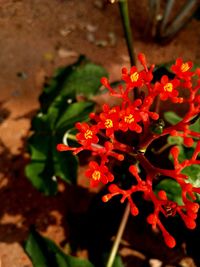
<point>118,236</point>
<point>123,7</point>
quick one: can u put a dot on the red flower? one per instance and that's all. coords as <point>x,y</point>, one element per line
<point>109,119</point>
<point>98,173</point>
<point>167,88</point>
<point>87,134</point>
<point>134,79</point>
<point>182,70</point>
<point>129,118</point>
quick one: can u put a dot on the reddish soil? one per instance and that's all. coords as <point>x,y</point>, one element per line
<point>36,37</point>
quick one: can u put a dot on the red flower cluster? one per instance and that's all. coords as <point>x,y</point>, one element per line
<point>137,116</point>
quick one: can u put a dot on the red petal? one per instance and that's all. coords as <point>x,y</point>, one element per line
<point>93,165</point>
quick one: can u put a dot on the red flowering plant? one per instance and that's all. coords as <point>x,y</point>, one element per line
<point>137,118</point>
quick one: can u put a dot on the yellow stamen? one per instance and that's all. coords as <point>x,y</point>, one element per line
<point>88,134</point>
<point>129,118</point>
<point>168,87</point>
<point>134,77</point>
<point>113,110</point>
<point>108,123</point>
<point>96,175</point>
<point>185,67</point>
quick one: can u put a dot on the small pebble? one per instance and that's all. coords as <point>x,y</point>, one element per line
<point>22,75</point>
<point>90,37</point>
<point>64,53</point>
<point>101,43</point>
<point>99,4</point>
<point>112,38</point>
<point>91,28</point>
<point>155,263</point>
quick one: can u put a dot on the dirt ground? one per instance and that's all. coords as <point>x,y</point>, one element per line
<point>36,37</point>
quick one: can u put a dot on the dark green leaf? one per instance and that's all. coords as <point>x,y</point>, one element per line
<point>44,253</point>
<point>41,177</point>
<point>40,170</point>
<point>65,164</point>
<point>75,112</point>
<point>81,78</point>
<point>84,80</point>
<point>59,112</point>
<point>47,163</point>
<point>117,261</point>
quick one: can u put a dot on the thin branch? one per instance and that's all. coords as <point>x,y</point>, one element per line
<point>123,7</point>
<point>118,236</point>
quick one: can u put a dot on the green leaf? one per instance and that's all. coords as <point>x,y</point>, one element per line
<point>85,79</point>
<point>193,173</point>
<point>44,253</point>
<point>41,178</point>
<point>47,163</point>
<point>195,126</point>
<point>117,261</point>
<point>65,164</point>
<point>33,250</point>
<point>81,78</point>
<point>172,117</point>
<point>59,112</point>
<point>172,188</point>
<point>175,140</point>
<point>69,117</point>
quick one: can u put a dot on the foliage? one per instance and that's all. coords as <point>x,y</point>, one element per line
<point>44,253</point>
<point>60,109</point>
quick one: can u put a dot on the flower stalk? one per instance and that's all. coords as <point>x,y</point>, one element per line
<point>120,232</point>
<point>123,7</point>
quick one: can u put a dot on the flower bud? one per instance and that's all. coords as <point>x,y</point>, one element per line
<point>194,207</point>
<point>104,81</point>
<point>169,240</point>
<point>152,219</point>
<point>188,141</point>
<point>189,222</point>
<point>134,210</point>
<point>175,151</point>
<point>62,147</point>
<point>162,195</point>
<point>133,169</point>
<point>124,71</point>
<point>106,198</point>
<point>113,188</point>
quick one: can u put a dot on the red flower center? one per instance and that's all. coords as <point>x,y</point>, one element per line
<point>129,119</point>
<point>88,134</point>
<point>108,123</point>
<point>134,77</point>
<point>168,87</point>
<point>96,175</point>
<point>185,67</point>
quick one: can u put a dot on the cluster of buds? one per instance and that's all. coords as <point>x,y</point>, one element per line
<point>100,136</point>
